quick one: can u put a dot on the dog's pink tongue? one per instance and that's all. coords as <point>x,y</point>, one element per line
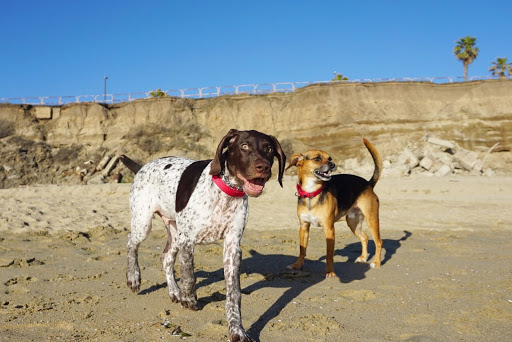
<point>254,186</point>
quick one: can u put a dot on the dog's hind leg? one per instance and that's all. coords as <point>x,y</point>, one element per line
<point>355,221</point>
<point>140,228</point>
<point>371,213</point>
<point>169,259</point>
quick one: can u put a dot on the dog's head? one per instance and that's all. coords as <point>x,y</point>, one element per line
<point>313,164</point>
<point>249,157</point>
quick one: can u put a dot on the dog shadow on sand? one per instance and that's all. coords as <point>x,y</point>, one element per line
<point>353,251</point>
<point>273,268</point>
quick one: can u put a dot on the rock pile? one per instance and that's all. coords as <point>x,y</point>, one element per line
<point>433,157</point>
<point>108,170</point>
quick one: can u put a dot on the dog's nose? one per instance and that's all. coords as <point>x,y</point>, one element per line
<point>262,166</point>
<point>331,165</point>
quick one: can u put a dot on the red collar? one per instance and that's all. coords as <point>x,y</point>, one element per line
<point>226,188</point>
<point>303,193</point>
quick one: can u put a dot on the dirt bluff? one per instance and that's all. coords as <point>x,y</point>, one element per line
<point>331,116</point>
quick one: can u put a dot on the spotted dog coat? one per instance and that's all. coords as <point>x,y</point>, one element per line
<point>196,211</point>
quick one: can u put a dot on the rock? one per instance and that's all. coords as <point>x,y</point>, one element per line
<point>397,171</point>
<point>488,173</point>
<point>110,166</point>
<point>55,113</point>
<point>98,179</point>
<point>440,142</point>
<point>364,170</point>
<point>442,157</point>
<point>350,164</point>
<point>426,163</point>
<point>408,158</point>
<point>103,163</point>
<point>467,160</point>
<point>444,170</point>
<point>43,113</point>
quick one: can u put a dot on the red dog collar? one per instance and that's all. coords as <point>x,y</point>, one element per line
<point>226,188</point>
<point>303,193</point>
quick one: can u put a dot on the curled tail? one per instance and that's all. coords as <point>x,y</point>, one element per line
<point>130,164</point>
<point>377,160</point>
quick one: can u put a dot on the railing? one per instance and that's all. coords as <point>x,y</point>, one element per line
<point>196,93</point>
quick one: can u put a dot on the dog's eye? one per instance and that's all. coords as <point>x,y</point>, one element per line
<point>317,159</point>
<point>270,149</point>
<point>245,146</point>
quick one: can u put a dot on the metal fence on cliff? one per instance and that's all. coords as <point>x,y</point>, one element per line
<point>205,92</point>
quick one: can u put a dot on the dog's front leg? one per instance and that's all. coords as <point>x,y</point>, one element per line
<point>329,260</point>
<point>303,241</point>
<point>188,297</point>
<point>232,261</point>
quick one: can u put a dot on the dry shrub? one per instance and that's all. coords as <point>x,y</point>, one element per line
<point>6,128</point>
<point>153,138</point>
<point>65,155</point>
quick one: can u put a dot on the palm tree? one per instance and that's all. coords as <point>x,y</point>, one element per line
<point>466,52</point>
<point>500,67</point>
<point>157,93</point>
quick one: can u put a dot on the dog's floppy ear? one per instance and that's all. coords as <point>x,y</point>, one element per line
<point>281,157</point>
<point>296,160</point>
<point>218,161</point>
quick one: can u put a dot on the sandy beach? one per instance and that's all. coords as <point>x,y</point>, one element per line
<point>446,273</point>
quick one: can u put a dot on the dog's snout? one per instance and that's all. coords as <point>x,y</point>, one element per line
<point>331,165</point>
<point>262,166</point>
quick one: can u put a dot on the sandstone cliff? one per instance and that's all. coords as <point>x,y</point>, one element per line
<point>332,116</point>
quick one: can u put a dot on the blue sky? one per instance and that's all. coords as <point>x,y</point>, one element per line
<point>57,48</point>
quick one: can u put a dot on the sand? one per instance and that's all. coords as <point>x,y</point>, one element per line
<point>446,273</point>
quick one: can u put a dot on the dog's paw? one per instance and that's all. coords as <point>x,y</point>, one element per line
<point>294,266</point>
<point>361,259</point>
<point>375,265</point>
<point>133,282</point>
<point>175,298</point>
<point>189,302</point>
<point>330,275</point>
<point>239,336</point>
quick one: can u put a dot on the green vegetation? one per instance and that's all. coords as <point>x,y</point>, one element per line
<point>339,77</point>
<point>501,68</point>
<point>157,93</point>
<point>466,51</point>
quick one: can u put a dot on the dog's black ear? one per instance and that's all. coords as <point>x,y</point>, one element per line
<point>218,161</point>
<point>295,160</point>
<point>281,157</point>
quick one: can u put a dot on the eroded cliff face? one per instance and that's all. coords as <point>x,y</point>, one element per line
<point>333,117</point>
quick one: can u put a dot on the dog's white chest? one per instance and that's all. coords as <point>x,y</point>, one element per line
<point>312,219</point>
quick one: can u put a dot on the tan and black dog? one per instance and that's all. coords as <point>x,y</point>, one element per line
<point>324,199</point>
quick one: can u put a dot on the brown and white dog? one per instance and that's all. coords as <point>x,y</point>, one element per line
<point>201,202</point>
<point>324,199</point>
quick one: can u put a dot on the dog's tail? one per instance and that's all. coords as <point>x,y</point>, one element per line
<point>376,159</point>
<point>130,164</point>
